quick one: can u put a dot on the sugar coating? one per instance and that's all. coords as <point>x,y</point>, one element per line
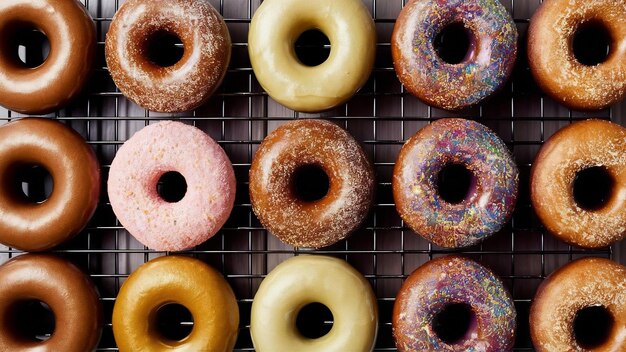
<point>454,86</point>
<point>491,198</point>
<point>554,65</point>
<point>188,83</point>
<point>319,223</point>
<point>144,158</point>
<point>447,280</point>
<point>580,284</point>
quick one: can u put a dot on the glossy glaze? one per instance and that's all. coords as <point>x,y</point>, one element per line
<point>68,292</point>
<point>139,164</point>
<point>306,279</point>
<point>453,279</point>
<point>188,83</point>
<point>486,67</point>
<point>276,26</point>
<point>185,281</point>
<point>492,195</point>
<point>572,149</point>
<point>552,60</point>
<point>580,284</point>
<point>72,36</point>
<point>76,183</point>
<point>351,183</point>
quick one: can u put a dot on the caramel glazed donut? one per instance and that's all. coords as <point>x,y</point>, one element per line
<point>186,84</point>
<point>72,36</point>
<point>72,298</point>
<point>176,280</point>
<point>553,63</point>
<point>573,150</point>
<point>581,307</point>
<point>76,180</point>
<point>300,147</point>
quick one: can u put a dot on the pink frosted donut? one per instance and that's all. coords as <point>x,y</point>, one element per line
<point>154,151</point>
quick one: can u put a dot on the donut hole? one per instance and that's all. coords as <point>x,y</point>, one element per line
<point>454,43</point>
<point>28,45</point>
<point>310,183</point>
<point>314,320</point>
<point>164,48</point>
<point>173,322</point>
<point>31,183</point>
<point>592,326</point>
<point>454,323</point>
<point>591,44</point>
<point>31,320</point>
<point>172,187</point>
<point>454,183</point>
<point>593,187</point>
<point>312,47</point>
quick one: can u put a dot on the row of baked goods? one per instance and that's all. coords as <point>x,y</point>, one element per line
<point>483,310</point>
<point>186,83</point>
<point>311,184</point>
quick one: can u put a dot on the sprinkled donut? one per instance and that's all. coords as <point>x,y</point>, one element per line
<point>492,188</point>
<point>588,293</point>
<point>149,154</point>
<point>175,280</point>
<point>586,146</point>
<point>69,293</point>
<point>553,64</point>
<point>62,75</point>
<point>291,152</point>
<point>306,279</point>
<point>183,85</point>
<point>453,283</point>
<point>486,66</point>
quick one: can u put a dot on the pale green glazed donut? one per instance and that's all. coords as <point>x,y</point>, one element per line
<point>306,279</point>
<point>276,26</point>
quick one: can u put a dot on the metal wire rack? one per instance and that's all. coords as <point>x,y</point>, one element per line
<point>381,116</point>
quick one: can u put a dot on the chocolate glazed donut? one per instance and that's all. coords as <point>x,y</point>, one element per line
<point>68,292</point>
<point>51,85</point>
<point>76,177</point>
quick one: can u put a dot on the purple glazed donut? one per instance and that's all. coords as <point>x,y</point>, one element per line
<point>487,65</point>
<point>492,180</point>
<point>449,285</point>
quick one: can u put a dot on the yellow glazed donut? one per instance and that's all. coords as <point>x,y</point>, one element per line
<point>276,26</point>
<point>307,279</point>
<point>181,280</point>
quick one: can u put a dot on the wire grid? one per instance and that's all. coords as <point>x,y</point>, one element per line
<point>381,116</point>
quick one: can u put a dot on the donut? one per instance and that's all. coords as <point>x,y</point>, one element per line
<point>61,77</point>
<point>491,191</point>
<point>485,68</point>
<point>583,286</point>
<point>185,84</point>
<point>276,26</point>
<point>75,172</point>
<point>179,280</point>
<point>142,160</point>
<point>449,284</point>
<point>305,279</point>
<point>553,64</point>
<point>288,155</point>
<point>591,145</point>
<point>64,288</point>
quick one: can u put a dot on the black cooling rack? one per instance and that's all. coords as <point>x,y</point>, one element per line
<point>381,116</point>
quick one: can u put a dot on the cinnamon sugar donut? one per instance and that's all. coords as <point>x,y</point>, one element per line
<point>187,83</point>
<point>285,158</point>
<point>586,293</point>
<point>592,145</point>
<point>486,67</point>
<point>51,85</point>
<point>551,57</point>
